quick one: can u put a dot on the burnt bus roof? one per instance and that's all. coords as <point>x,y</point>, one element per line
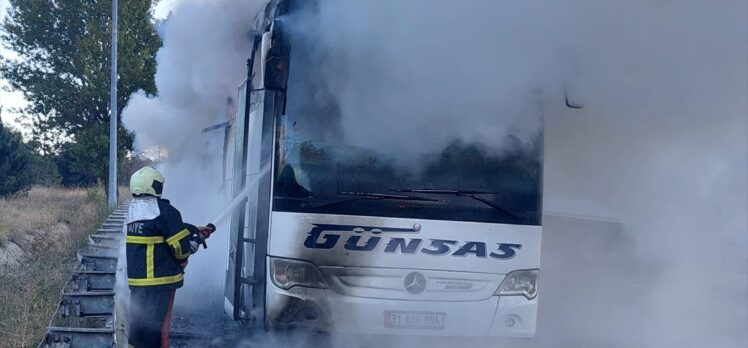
<point>265,17</point>
<point>274,9</point>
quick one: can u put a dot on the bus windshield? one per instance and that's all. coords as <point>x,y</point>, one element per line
<point>328,163</point>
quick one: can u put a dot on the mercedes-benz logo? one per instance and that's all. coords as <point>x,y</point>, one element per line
<point>415,283</point>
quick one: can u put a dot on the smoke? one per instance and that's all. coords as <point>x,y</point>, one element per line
<point>200,66</point>
<point>409,78</point>
<point>661,146</point>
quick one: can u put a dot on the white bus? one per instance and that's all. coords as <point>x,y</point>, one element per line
<point>335,237</point>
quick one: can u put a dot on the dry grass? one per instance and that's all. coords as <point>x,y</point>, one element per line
<point>59,221</point>
<point>124,193</point>
<point>44,207</point>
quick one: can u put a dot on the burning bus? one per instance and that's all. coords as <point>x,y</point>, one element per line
<point>336,236</point>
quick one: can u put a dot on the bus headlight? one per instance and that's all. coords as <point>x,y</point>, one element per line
<point>286,274</point>
<point>524,282</point>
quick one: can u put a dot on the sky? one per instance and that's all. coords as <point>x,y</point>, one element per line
<point>8,99</point>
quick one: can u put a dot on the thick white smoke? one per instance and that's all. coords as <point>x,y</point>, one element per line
<point>661,145</point>
<point>200,66</point>
<point>410,77</point>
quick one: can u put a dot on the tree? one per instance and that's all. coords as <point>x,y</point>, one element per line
<point>15,160</point>
<point>81,162</point>
<point>63,68</point>
<point>43,170</point>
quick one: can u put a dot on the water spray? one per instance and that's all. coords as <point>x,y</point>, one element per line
<point>240,197</point>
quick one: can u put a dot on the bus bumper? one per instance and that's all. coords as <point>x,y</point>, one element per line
<point>325,310</point>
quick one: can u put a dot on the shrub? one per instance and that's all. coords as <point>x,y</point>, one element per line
<point>15,162</point>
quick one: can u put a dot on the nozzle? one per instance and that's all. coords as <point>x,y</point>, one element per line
<point>212,229</point>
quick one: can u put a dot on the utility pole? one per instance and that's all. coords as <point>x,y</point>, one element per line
<point>112,185</point>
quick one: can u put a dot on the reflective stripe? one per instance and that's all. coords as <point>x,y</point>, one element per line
<point>149,266</point>
<point>174,242</point>
<point>178,252</point>
<point>155,281</point>
<point>145,240</point>
<point>181,234</point>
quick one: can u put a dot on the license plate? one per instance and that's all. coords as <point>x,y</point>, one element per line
<point>414,320</point>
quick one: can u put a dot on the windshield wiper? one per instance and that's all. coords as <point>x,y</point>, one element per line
<point>389,196</point>
<point>375,196</point>
<point>446,192</point>
<point>465,193</point>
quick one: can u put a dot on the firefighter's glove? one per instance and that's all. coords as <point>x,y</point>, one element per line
<point>199,238</point>
<point>195,241</point>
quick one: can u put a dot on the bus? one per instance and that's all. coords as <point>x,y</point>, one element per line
<point>338,237</point>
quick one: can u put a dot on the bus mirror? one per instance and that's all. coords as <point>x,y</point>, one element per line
<point>572,100</point>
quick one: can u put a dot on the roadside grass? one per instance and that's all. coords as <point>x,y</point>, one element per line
<point>59,221</point>
<point>42,207</point>
<point>124,193</point>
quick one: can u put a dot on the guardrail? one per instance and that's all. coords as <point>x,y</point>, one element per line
<point>86,315</point>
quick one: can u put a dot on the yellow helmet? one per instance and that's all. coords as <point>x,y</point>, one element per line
<point>147,181</point>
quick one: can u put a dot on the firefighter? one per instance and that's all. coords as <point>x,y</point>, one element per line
<point>158,245</point>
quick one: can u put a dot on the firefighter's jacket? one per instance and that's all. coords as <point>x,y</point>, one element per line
<point>158,241</point>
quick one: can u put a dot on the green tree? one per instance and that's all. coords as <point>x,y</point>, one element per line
<point>43,170</point>
<point>81,162</point>
<point>63,68</point>
<point>15,161</point>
